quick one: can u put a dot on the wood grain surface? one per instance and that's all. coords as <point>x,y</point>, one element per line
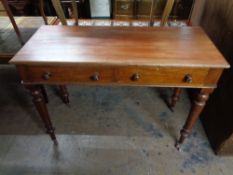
<point>117,75</point>
<point>162,46</point>
<point>166,57</point>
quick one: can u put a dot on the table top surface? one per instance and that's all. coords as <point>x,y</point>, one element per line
<point>162,46</point>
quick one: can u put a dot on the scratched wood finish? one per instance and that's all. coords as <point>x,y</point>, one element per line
<point>173,47</point>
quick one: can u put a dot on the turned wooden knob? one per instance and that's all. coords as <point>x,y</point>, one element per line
<point>46,75</point>
<point>188,78</point>
<point>95,76</point>
<point>135,77</point>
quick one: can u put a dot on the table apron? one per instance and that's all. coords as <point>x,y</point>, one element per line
<point>189,77</point>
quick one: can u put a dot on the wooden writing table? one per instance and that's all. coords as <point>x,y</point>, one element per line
<point>158,57</point>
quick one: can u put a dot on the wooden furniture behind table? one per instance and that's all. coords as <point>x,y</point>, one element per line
<point>120,56</point>
<point>217,118</point>
<point>5,9</point>
<point>164,18</point>
<point>141,9</point>
<point>83,7</point>
<point>133,9</point>
<point>20,6</point>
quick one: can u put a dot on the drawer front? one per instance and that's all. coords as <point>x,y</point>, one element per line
<point>144,7</point>
<point>163,76</point>
<point>128,75</point>
<point>80,74</point>
<point>140,9</point>
<point>124,7</point>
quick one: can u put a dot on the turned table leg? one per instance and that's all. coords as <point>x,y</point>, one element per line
<point>175,97</point>
<point>39,102</point>
<point>64,94</point>
<point>44,93</point>
<point>196,109</point>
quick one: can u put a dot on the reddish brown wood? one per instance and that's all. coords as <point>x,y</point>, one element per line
<point>196,109</point>
<point>64,94</point>
<point>10,15</point>
<point>166,57</point>
<point>41,9</point>
<point>39,102</point>
<point>119,75</point>
<point>44,93</point>
<point>143,46</point>
<point>5,57</point>
<point>175,97</point>
<point>213,76</point>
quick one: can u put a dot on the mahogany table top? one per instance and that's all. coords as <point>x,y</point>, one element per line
<point>160,46</point>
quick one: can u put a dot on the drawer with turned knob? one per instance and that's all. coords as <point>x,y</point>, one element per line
<point>188,78</point>
<point>135,77</point>
<point>120,75</point>
<point>46,75</point>
<point>155,76</point>
<point>95,76</point>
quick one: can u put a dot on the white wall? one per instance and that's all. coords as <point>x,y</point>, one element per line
<point>100,8</point>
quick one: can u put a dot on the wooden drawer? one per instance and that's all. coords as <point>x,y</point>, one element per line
<point>162,76</point>
<point>79,74</point>
<point>144,9</point>
<point>119,75</point>
<point>124,9</point>
<point>137,9</point>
